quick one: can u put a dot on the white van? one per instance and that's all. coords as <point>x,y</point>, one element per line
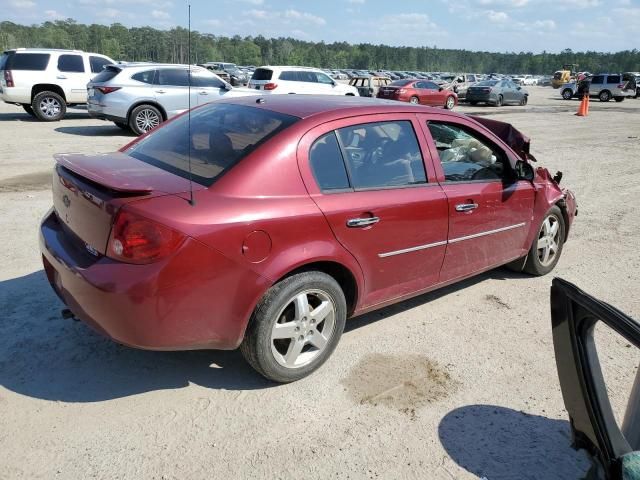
<point>302,80</point>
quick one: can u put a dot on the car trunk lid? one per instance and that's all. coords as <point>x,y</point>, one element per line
<point>88,191</point>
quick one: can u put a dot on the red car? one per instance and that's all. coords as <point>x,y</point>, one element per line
<point>423,92</point>
<point>266,222</point>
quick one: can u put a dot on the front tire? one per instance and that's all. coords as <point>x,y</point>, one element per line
<point>144,118</point>
<point>295,327</point>
<point>547,246</point>
<point>48,106</point>
<point>604,96</point>
<point>567,94</point>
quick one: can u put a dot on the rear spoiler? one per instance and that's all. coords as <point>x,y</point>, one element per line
<point>506,132</point>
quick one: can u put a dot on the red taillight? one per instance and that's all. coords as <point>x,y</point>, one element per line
<point>486,90</point>
<point>106,90</point>
<point>622,85</point>
<point>401,91</point>
<point>270,86</point>
<point>8,78</point>
<point>135,239</point>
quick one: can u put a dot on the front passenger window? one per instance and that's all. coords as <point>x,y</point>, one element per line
<point>465,157</point>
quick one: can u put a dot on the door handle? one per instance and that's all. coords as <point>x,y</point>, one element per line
<point>61,77</point>
<point>466,207</point>
<point>362,222</point>
<point>160,91</point>
<point>203,92</point>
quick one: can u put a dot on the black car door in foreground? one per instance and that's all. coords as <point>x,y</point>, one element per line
<point>574,317</point>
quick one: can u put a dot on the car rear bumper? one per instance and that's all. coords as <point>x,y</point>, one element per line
<point>195,299</point>
<point>15,95</point>
<point>479,97</point>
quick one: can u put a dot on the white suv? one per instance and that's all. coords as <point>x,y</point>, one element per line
<point>45,81</point>
<point>304,80</point>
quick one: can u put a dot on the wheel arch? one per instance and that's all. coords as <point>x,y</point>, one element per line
<point>47,87</point>
<point>338,271</point>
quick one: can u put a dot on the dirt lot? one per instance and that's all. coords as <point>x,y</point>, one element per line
<point>459,383</point>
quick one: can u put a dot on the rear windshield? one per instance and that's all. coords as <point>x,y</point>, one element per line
<point>105,75</point>
<point>221,136</point>
<point>262,74</point>
<point>26,61</point>
<point>401,83</point>
<point>486,83</point>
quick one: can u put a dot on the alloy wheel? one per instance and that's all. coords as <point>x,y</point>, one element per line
<point>303,328</point>
<point>147,119</point>
<point>50,107</point>
<point>450,103</point>
<point>548,240</point>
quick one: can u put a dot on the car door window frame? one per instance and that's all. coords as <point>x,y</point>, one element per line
<point>481,131</point>
<point>304,148</point>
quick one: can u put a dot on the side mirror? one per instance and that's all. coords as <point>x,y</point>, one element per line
<point>524,171</point>
<point>440,89</point>
<point>227,86</point>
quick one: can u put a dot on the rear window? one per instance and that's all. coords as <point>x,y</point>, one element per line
<point>487,83</point>
<point>597,79</point>
<point>262,74</point>
<point>27,61</point>
<point>148,76</point>
<point>71,63</point>
<point>106,75</point>
<point>219,137</point>
<point>613,79</point>
<point>401,83</point>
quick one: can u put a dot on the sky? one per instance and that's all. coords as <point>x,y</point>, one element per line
<point>490,25</point>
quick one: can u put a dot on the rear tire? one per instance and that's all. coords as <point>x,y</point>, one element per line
<point>414,100</point>
<point>450,103</point>
<point>619,99</point>
<point>499,101</point>
<point>547,246</point>
<point>144,118</point>
<point>29,109</point>
<point>524,100</point>
<point>311,310</point>
<point>48,106</point>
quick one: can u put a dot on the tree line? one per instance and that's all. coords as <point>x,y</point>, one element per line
<point>171,46</point>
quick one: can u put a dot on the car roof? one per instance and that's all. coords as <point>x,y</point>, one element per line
<point>337,106</point>
<point>290,67</point>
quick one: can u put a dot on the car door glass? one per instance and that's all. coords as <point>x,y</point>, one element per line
<point>287,76</point>
<point>203,80</point>
<point>465,157</point>
<point>613,79</point>
<point>322,78</point>
<point>327,163</point>
<point>98,63</point>
<point>597,79</point>
<point>383,154</point>
<point>71,63</point>
<point>174,77</point>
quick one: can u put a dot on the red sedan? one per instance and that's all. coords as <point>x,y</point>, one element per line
<point>422,92</point>
<point>266,222</point>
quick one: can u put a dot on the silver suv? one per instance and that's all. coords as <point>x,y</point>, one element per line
<point>140,96</point>
<point>45,81</point>
<point>605,86</point>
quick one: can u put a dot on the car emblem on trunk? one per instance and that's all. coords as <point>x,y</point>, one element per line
<point>66,201</point>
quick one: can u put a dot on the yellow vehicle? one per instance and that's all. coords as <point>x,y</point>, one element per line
<point>560,77</point>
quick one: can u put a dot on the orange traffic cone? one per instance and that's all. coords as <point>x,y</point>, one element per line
<point>584,106</point>
<point>588,103</point>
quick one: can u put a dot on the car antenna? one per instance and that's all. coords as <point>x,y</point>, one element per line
<point>192,202</point>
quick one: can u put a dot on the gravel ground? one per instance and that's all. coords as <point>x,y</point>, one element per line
<point>458,383</point>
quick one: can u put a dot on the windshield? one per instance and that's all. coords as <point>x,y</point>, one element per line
<point>221,136</point>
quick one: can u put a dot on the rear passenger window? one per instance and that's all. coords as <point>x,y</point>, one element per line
<point>98,63</point>
<point>27,61</point>
<point>597,79</point>
<point>147,76</point>
<point>71,63</point>
<point>380,155</point>
<point>289,76</point>
<point>327,163</point>
<point>465,157</point>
